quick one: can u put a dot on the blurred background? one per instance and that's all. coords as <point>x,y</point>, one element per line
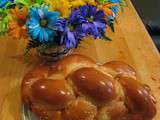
<point>149,11</point>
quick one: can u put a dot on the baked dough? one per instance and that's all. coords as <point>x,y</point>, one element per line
<point>76,88</point>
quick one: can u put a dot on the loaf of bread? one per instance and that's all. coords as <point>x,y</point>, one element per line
<point>76,88</point>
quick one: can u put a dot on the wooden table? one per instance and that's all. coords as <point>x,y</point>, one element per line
<point>131,43</point>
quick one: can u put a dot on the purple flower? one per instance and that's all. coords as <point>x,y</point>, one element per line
<point>86,20</point>
<point>69,34</point>
<point>91,20</point>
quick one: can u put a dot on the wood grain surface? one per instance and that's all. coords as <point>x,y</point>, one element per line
<point>131,44</point>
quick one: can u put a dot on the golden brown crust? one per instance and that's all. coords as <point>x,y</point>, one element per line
<point>121,68</point>
<point>115,111</point>
<point>35,74</point>
<point>80,109</point>
<point>45,114</point>
<point>72,63</point>
<point>138,98</point>
<point>76,88</point>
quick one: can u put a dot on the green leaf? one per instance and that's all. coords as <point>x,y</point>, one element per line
<point>10,5</point>
<point>29,3</point>
<point>4,21</point>
<point>123,3</point>
<point>1,10</point>
<point>111,25</point>
<point>102,1</point>
<point>122,9</point>
<point>104,37</point>
<point>39,1</point>
<point>23,2</point>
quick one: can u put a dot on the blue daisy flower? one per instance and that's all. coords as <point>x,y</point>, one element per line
<point>115,1</point>
<point>4,2</point>
<point>90,20</point>
<point>115,8</point>
<point>41,23</point>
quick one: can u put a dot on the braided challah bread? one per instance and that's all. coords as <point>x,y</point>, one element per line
<point>76,88</point>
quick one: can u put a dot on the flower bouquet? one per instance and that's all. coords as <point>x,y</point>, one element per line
<point>55,27</point>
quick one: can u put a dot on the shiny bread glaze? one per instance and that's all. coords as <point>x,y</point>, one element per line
<point>138,99</point>
<point>51,91</point>
<point>54,92</point>
<point>38,72</point>
<point>94,84</point>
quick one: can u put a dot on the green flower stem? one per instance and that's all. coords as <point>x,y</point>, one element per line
<point>4,20</point>
<point>29,3</point>
<point>102,1</point>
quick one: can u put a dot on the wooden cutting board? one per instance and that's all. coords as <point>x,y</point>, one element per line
<point>131,44</point>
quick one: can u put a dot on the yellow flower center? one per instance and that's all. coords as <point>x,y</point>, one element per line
<point>71,28</point>
<point>91,19</point>
<point>43,22</point>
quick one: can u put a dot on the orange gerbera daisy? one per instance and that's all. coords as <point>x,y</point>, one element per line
<point>107,9</point>
<point>17,27</point>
